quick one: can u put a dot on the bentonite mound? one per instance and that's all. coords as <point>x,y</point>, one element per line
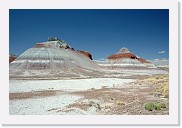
<point>54,57</point>
<point>123,53</point>
<point>124,56</point>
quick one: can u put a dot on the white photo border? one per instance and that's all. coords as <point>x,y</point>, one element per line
<point>171,119</point>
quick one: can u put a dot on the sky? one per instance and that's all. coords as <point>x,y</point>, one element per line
<point>102,32</point>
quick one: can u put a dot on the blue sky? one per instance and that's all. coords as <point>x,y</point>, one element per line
<point>100,32</point>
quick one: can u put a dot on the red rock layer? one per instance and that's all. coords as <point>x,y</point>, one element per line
<point>122,55</point>
<point>39,45</point>
<point>127,55</point>
<point>86,54</point>
<point>11,58</point>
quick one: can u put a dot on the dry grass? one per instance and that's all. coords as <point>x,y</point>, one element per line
<point>119,102</point>
<point>161,82</point>
<point>164,86</point>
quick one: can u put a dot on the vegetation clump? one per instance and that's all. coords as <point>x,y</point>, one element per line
<point>149,106</point>
<point>156,106</point>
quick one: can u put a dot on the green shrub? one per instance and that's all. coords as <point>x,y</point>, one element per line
<point>156,106</point>
<point>149,106</point>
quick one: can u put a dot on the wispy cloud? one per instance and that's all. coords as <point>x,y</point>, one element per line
<point>160,61</point>
<point>161,52</point>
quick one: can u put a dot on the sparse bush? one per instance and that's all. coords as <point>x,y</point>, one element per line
<point>149,106</point>
<point>156,106</point>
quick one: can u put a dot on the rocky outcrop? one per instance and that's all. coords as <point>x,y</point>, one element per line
<point>53,43</point>
<point>86,54</point>
<point>12,58</point>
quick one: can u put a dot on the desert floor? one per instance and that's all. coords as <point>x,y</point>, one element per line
<point>91,96</point>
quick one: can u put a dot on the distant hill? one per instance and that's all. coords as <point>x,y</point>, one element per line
<point>125,57</point>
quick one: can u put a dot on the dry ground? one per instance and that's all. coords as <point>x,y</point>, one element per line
<point>117,100</point>
<point>130,99</point>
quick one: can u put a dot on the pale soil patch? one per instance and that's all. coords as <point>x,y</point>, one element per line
<point>41,106</point>
<point>52,96</point>
<point>17,86</point>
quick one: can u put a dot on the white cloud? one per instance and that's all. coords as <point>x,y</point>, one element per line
<point>161,52</point>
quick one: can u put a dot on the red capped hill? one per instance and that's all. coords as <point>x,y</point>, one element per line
<point>126,57</point>
<point>123,53</point>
